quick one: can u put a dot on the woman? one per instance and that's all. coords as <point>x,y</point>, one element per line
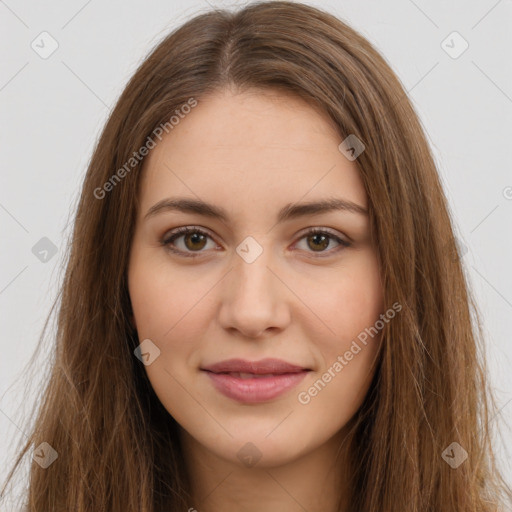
<point>263,307</point>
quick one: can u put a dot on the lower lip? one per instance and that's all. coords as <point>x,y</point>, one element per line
<point>255,390</point>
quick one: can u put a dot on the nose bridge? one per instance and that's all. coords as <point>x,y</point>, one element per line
<point>251,274</point>
<point>253,299</point>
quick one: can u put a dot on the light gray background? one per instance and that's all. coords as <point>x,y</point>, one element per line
<point>52,111</point>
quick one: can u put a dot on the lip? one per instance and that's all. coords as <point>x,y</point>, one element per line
<point>261,388</point>
<point>260,367</point>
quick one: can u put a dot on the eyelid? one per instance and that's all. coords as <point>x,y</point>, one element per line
<point>319,229</point>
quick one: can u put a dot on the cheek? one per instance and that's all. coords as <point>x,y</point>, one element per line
<point>334,395</point>
<point>172,321</point>
<point>347,355</point>
<point>165,299</point>
<point>349,305</point>
<point>176,324</point>
<point>171,310</point>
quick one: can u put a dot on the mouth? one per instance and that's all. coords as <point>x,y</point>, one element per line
<point>254,382</point>
<point>241,375</point>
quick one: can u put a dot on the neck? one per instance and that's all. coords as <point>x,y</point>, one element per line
<point>316,481</point>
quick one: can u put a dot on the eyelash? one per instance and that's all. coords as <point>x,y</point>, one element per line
<point>168,240</point>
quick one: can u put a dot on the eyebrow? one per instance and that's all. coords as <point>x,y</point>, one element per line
<point>288,212</point>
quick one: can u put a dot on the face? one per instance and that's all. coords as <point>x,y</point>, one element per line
<point>256,278</point>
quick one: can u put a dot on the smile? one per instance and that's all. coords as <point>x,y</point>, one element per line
<point>254,382</point>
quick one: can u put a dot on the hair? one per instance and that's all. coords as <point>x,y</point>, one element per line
<point>118,448</point>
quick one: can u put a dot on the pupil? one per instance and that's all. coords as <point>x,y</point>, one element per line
<point>195,239</point>
<point>324,240</point>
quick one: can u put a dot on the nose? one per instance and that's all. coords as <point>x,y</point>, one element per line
<point>254,298</point>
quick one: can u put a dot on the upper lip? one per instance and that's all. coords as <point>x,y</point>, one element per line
<point>261,367</point>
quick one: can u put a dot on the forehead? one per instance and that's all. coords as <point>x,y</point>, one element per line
<point>224,119</point>
<point>248,149</point>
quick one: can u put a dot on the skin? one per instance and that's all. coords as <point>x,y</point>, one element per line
<point>301,300</point>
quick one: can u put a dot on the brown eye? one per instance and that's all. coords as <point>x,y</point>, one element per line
<point>318,241</point>
<point>194,241</point>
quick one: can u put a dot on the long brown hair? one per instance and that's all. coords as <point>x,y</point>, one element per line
<point>117,446</point>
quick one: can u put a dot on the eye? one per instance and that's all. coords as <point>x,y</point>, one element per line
<point>318,239</point>
<point>196,239</point>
